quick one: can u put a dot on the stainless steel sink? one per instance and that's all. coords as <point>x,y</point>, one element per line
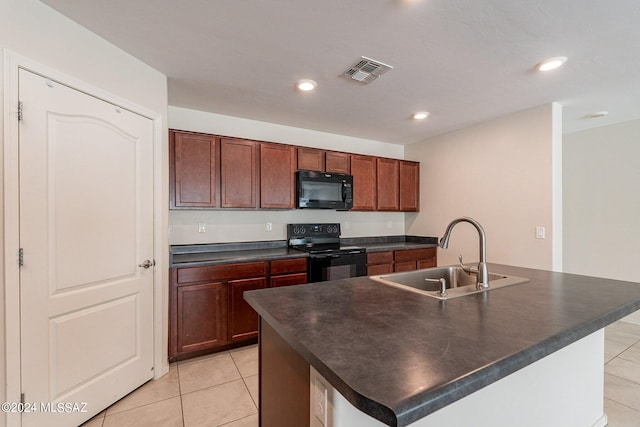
<point>458,281</point>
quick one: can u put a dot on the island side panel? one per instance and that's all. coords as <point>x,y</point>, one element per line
<point>284,382</point>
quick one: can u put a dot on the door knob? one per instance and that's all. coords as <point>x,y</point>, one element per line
<point>147,263</point>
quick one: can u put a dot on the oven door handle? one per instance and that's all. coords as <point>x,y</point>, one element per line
<point>324,256</point>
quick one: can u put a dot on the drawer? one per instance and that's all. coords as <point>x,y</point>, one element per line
<point>415,254</point>
<point>380,257</point>
<point>426,263</point>
<point>288,280</point>
<point>283,266</point>
<point>221,272</point>
<point>405,266</point>
<point>375,269</point>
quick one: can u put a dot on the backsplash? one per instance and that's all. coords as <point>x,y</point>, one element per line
<point>248,226</point>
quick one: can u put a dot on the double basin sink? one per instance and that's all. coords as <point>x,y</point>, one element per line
<point>458,281</point>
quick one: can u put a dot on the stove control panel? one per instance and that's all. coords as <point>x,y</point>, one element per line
<point>298,231</point>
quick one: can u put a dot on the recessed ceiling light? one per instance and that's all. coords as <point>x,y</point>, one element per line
<point>306,85</point>
<point>421,115</point>
<point>551,63</point>
<point>597,114</point>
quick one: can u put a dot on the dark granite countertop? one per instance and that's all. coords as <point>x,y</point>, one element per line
<point>361,334</point>
<point>222,253</point>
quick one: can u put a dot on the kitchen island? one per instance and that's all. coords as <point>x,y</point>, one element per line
<point>530,353</point>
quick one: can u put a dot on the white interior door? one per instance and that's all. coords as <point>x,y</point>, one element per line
<point>86,225</point>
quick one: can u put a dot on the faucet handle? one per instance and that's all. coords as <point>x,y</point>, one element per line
<point>466,269</point>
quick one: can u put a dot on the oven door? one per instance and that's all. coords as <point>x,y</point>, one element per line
<point>335,267</point>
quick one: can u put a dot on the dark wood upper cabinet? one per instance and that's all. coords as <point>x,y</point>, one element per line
<point>310,159</point>
<point>364,171</point>
<point>336,162</point>
<point>239,173</point>
<point>388,184</point>
<point>194,170</point>
<point>213,172</point>
<point>277,176</point>
<point>409,186</point>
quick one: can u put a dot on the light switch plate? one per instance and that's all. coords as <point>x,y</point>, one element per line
<point>540,233</point>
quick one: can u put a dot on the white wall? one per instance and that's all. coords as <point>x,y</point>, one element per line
<point>33,30</point>
<point>602,202</point>
<point>501,174</point>
<point>241,226</point>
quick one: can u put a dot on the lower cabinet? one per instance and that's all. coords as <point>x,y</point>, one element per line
<point>243,320</point>
<point>202,316</point>
<point>379,263</point>
<point>414,259</point>
<point>207,310</point>
<point>286,272</point>
<point>401,260</point>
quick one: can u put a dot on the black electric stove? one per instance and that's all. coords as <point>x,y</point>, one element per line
<point>328,260</point>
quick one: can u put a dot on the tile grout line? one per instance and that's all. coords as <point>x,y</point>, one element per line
<point>622,404</point>
<point>625,379</point>
<point>180,394</point>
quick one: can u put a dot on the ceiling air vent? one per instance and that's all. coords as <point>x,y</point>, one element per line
<point>366,70</point>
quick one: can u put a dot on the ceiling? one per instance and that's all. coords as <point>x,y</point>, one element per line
<point>464,61</point>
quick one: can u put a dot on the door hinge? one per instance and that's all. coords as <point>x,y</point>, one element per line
<point>20,257</point>
<point>19,111</point>
<point>22,398</point>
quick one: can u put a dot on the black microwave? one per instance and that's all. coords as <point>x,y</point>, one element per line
<point>319,190</point>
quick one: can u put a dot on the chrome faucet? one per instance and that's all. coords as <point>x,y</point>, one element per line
<point>483,273</point>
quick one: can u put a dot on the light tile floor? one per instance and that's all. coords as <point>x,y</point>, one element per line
<point>622,374</point>
<point>222,389</point>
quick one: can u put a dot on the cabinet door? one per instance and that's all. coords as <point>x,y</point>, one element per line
<point>193,170</point>
<point>388,184</point>
<point>277,176</point>
<point>409,186</point>
<point>363,169</point>
<point>336,162</point>
<point>239,170</point>
<point>201,316</point>
<point>310,159</point>
<point>243,320</point>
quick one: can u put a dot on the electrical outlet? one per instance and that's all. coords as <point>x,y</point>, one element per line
<point>202,227</point>
<point>269,226</point>
<point>540,233</point>
<point>320,402</point>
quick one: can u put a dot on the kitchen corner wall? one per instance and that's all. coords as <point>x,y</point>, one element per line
<point>241,226</point>
<point>502,173</point>
<point>602,203</point>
